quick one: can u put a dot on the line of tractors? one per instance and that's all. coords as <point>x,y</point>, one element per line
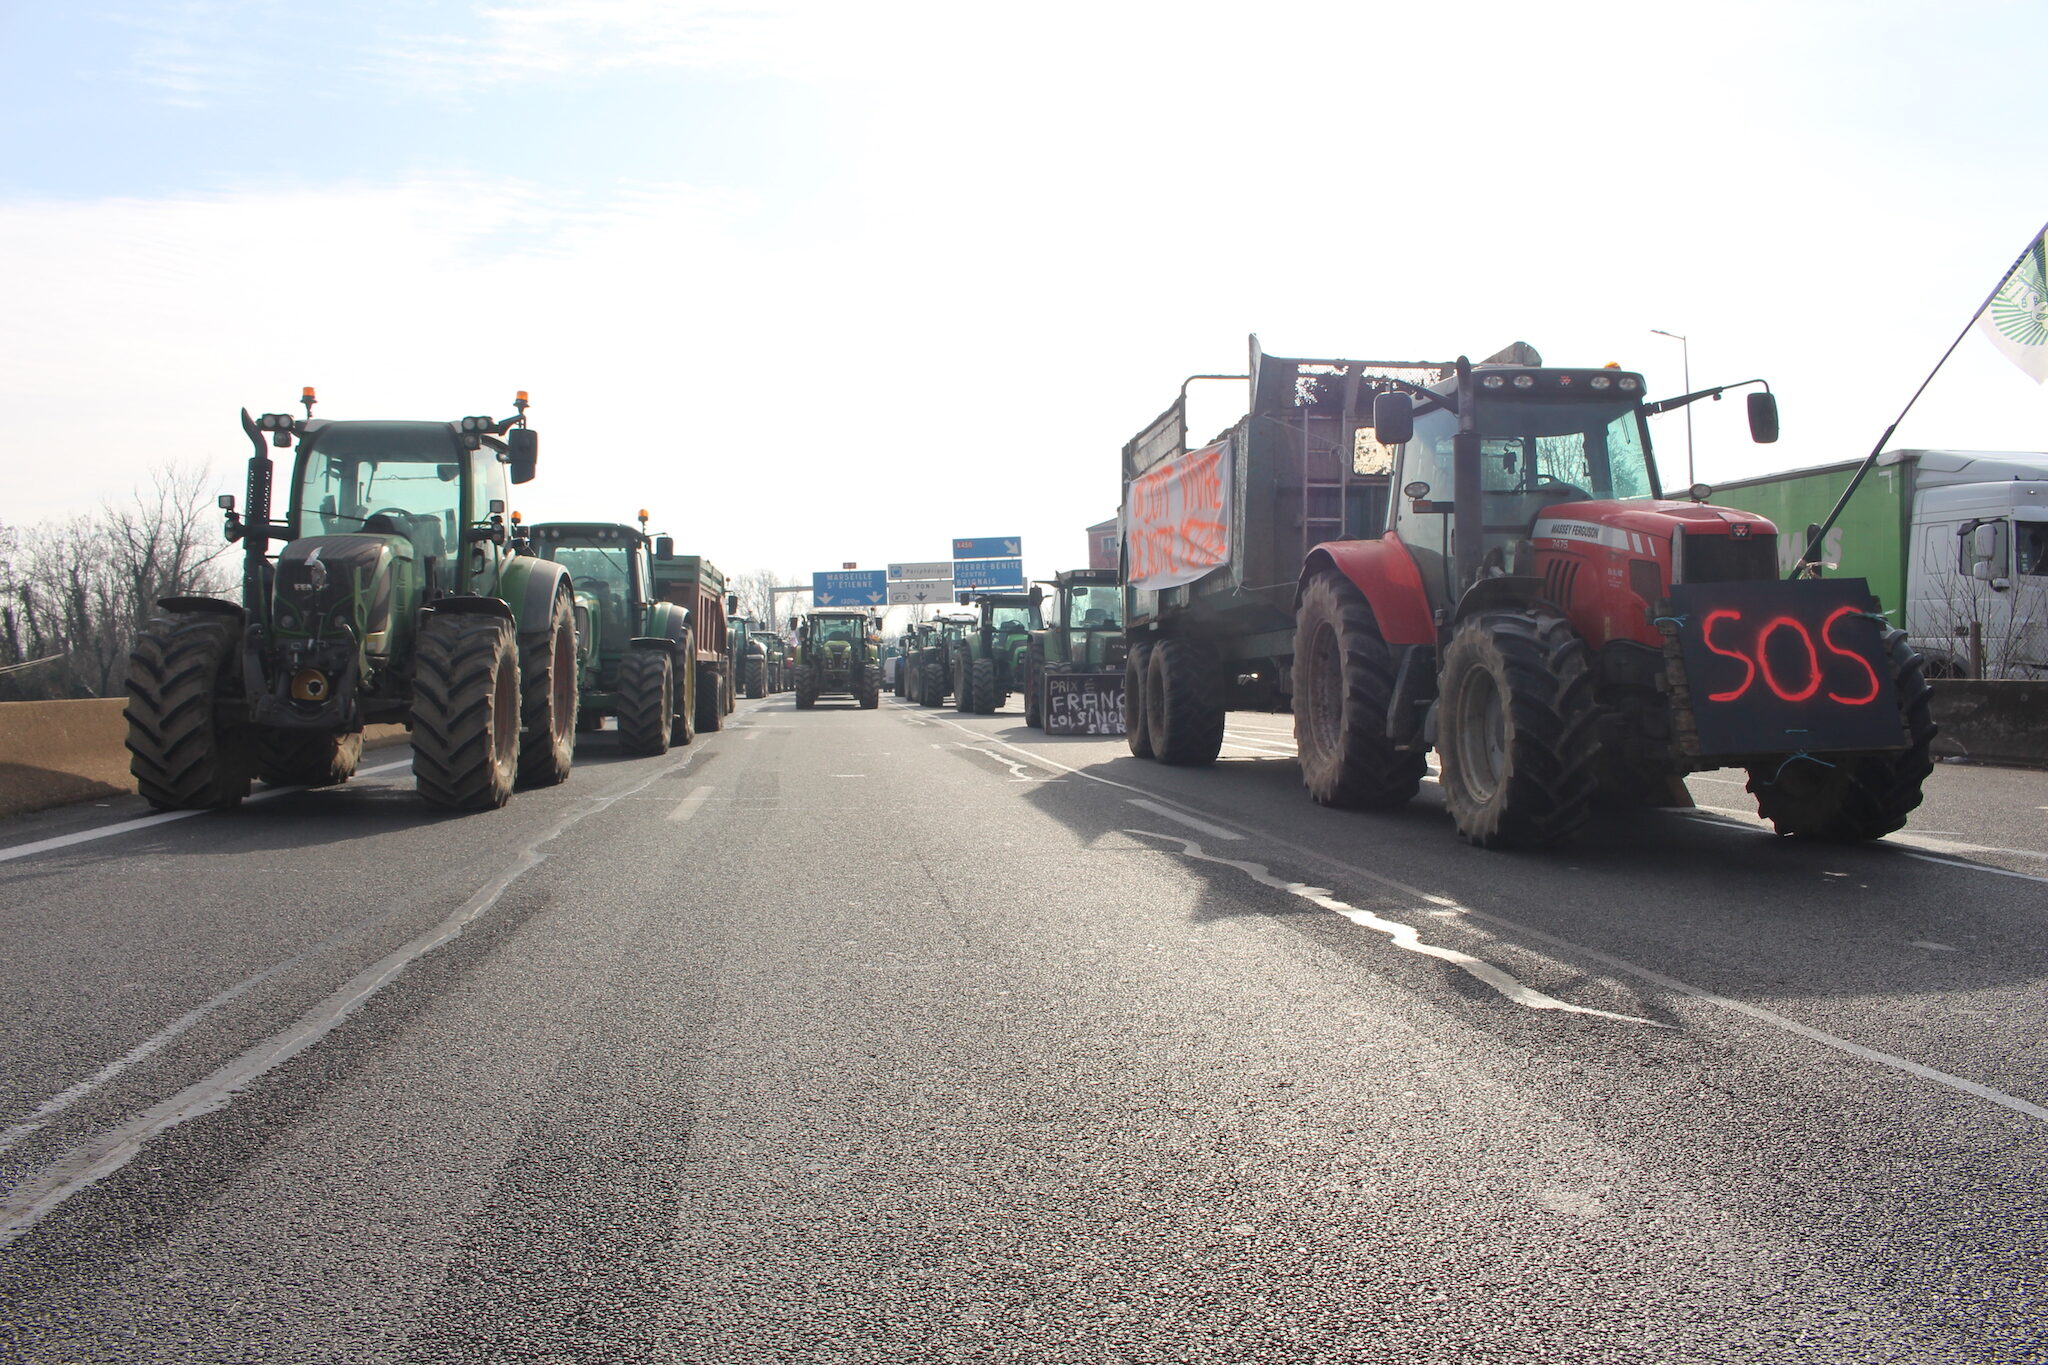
<point>394,588</point>
<point>1009,643</point>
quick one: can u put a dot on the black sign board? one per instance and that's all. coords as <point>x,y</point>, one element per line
<point>1084,703</point>
<point>1780,667</point>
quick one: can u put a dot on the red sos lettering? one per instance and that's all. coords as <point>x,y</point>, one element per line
<point>1756,659</point>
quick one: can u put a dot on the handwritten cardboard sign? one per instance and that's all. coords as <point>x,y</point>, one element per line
<point>1084,703</point>
<point>1177,519</point>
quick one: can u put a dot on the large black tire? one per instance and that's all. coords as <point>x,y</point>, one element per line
<point>757,679</point>
<point>465,711</point>
<point>301,758</point>
<point>1034,694</point>
<point>932,685</point>
<point>182,754</point>
<point>987,699</point>
<point>547,705</point>
<point>728,692</point>
<point>806,688</point>
<point>870,694</point>
<point>1849,798</point>
<point>1343,686</point>
<point>1184,703</point>
<point>1516,729</point>
<point>710,698</point>
<point>647,702</point>
<point>1137,730</point>
<point>963,685</point>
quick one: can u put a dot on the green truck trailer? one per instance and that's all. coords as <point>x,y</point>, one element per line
<point>1954,544</point>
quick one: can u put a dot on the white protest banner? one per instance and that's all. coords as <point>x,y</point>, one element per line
<point>1177,519</point>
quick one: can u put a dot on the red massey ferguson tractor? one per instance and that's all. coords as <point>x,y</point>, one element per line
<point>1529,605</point>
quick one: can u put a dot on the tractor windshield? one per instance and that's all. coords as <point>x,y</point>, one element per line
<point>825,629</point>
<point>606,574</point>
<point>385,478</point>
<point>1012,618</point>
<point>1097,606</point>
<point>1594,450</point>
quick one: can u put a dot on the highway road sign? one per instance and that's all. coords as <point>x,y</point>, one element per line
<point>989,547</point>
<point>988,573</point>
<point>911,592</point>
<point>937,568</point>
<point>855,588</point>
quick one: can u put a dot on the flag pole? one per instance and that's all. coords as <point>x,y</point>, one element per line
<point>1820,532</point>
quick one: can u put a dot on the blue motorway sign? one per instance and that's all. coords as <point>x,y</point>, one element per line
<point>850,588</point>
<point>988,573</point>
<point>989,547</point>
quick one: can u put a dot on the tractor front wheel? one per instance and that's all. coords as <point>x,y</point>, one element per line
<point>1184,703</point>
<point>465,711</point>
<point>1517,734</point>
<point>931,688</point>
<point>547,707</point>
<point>647,702</point>
<point>963,686</point>
<point>806,687</point>
<point>182,756</point>
<point>298,758</point>
<point>871,687</point>
<point>987,700</point>
<point>1034,697</point>
<point>1343,685</point>
<point>1137,729</point>
<point>1849,798</point>
<point>757,679</point>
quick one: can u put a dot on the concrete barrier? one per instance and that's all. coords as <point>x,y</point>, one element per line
<point>53,753</point>
<point>1992,722</point>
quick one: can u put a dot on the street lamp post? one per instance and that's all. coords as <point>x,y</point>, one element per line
<point>1685,359</point>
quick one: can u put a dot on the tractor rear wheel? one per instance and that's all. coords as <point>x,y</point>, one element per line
<point>1343,685</point>
<point>710,698</point>
<point>182,756</point>
<point>806,687</point>
<point>757,679</point>
<point>931,687</point>
<point>1034,698</point>
<point>963,686</point>
<point>987,700</point>
<point>1517,729</point>
<point>1184,703</point>
<point>465,711</point>
<point>547,708</point>
<point>647,702</point>
<point>300,758</point>
<point>1849,798</point>
<point>1137,729</point>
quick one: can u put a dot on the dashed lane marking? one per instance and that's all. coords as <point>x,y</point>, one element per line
<point>691,804</point>
<point>1213,831</point>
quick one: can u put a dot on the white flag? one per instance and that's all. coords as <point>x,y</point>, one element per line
<point>2016,319</point>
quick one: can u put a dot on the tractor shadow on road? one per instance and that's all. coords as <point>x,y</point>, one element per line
<point>1726,907</point>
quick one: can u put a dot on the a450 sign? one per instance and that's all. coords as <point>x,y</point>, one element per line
<point>1779,667</point>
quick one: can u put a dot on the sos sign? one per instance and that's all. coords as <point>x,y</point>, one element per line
<point>1776,667</point>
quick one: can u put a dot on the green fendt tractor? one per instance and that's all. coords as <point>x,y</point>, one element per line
<point>750,658</point>
<point>837,655</point>
<point>935,661</point>
<point>387,593</point>
<point>990,665</point>
<point>634,655</point>
<point>909,647</point>
<point>1084,643</point>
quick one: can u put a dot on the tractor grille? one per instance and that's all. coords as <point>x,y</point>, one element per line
<point>1559,578</point>
<point>1725,559</point>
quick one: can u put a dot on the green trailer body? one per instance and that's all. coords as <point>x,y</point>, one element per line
<point>1869,540</point>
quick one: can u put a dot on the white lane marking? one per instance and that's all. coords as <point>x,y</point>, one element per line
<point>1933,845</point>
<point>1974,867</point>
<point>1017,773</point>
<point>1903,841</point>
<point>1213,831</point>
<point>97,1158</point>
<point>1755,1012</point>
<point>86,836</point>
<point>1404,936</point>
<point>691,804</point>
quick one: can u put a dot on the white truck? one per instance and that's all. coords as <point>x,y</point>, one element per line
<point>1954,544</point>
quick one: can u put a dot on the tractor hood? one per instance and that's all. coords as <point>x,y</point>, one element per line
<point>1620,525</point>
<point>326,582</point>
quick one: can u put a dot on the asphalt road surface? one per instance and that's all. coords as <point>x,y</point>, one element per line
<point>906,1036</point>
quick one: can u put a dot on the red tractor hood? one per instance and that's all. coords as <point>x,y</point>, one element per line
<point>1610,521</point>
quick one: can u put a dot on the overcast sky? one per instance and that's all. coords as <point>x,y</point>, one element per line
<point>839,282</point>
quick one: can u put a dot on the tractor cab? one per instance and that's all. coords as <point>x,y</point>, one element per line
<point>609,567</point>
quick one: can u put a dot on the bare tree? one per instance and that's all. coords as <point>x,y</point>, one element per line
<point>72,593</point>
<point>757,597</point>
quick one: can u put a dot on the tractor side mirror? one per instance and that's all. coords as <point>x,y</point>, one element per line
<point>732,604</point>
<point>664,547</point>
<point>1763,418</point>
<point>1393,418</point>
<point>522,452</point>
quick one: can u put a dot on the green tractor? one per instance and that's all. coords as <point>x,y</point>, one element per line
<point>1085,637</point>
<point>388,593</point>
<point>909,645</point>
<point>947,637</point>
<point>750,657</point>
<point>838,654</point>
<point>991,665</point>
<point>634,654</point>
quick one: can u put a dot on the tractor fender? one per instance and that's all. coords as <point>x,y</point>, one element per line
<point>529,585</point>
<point>217,606</point>
<point>659,643</point>
<point>1387,574</point>
<point>470,606</point>
<point>670,624</point>
<point>1511,591</point>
